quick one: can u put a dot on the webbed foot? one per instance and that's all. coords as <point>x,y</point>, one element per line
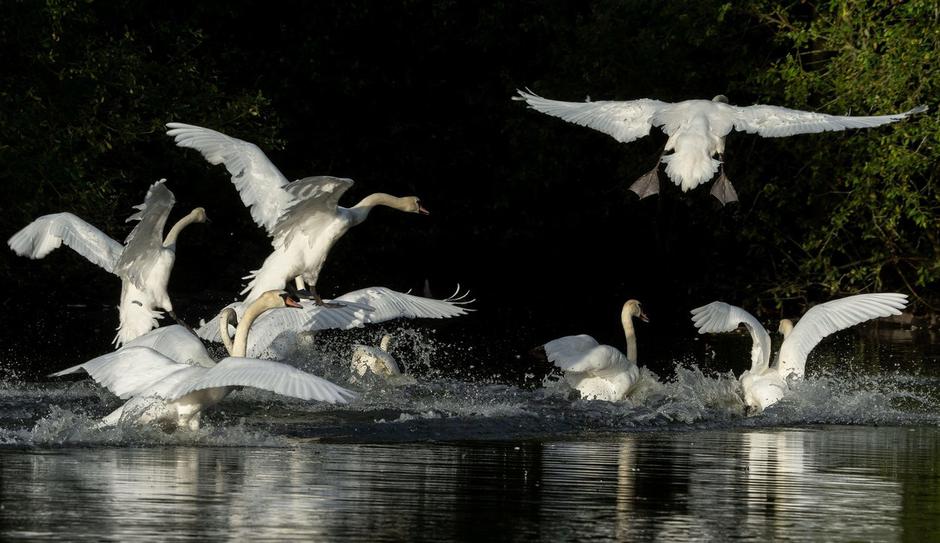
<point>647,184</point>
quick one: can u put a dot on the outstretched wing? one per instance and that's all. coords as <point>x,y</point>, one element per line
<point>176,343</point>
<point>776,122</point>
<point>625,121</point>
<point>267,375</point>
<point>582,354</point>
<point>260,184</point>
<point>128,371</point>
<point>719,317</point>
<point>48,232</point>
<point>830,317</point>
<point>144,243</point>
<point>312,195</point>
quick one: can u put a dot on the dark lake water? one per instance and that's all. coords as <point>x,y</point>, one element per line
<point>853,454</point>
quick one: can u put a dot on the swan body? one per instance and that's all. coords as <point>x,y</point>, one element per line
<point>302,217</point>
<point>276,332</point>
<point>171,380</point>
<point>599,372</point>
<point>144,263</point>
<point>366,358</point>
<point>765,384</point>
<point>696,131</point>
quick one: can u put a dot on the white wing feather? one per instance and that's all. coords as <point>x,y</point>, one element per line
<point>176,343</point>
<point>267,375</point>
<point>49,232</point>
<point>129,371</point>
<point>718,317</point>
<point>625,121</point>
<point>776,122</point>
<point>145,242</point>
<point>581,354</point>
<point>260,184</point>
<point>830,317</point>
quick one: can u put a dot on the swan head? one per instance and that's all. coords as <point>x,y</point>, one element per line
<point>278,298</point>
<point>786,326</point>
<point>721,98</point>
<point>413,205</point>
<point>633,309</point>
<point>199,215</point>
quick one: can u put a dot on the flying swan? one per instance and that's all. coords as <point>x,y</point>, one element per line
<point>697,131</point>
<point>302,217</point>
<point>143,264</point>
<point>599,372</point>
<point>763,384</point>
<point>276,332</point>
<point>174,388</point>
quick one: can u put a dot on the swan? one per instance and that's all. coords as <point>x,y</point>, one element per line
<point>765,384</point>
<point>366,358</point>
<point>302,217</point>
<point>143,264</point>
<point>276,332</point>
<point>697,131</point>
<point>599,372</point>
<point>175,391</point>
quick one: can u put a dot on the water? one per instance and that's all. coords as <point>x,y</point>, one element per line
<point>852,454</point>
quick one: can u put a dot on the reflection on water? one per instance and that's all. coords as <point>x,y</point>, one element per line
<point>834,483</point>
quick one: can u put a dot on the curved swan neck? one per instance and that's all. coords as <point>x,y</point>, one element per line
<point>369,203</point>
<point>240,345</point>
<point>630,334</point>
<point>178,227</point>
<point>225,318</point>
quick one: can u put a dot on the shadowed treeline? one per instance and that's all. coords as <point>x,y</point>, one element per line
<point>529,212</point>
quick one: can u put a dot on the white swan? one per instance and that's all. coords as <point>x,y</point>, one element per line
<point>276,332</point>
<point>174,392</point>
<point>697,131</point>
<point>366,358</point>
<point>599,372</point>
<point>143,264</point>
<point>302,217</point>
<point>763,384</point>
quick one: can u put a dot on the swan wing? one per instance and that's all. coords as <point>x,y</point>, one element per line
<point>625,121</point>
<point>176,343</point>
<point>776,122</point>
<point>260,184</point>
<point>49,232</point>
<point>718,317</point>
<point>582,354</point>
<point>145,242</point>
<point>830,317</point>
<point>312,195</point>
<point>129,371</point>
<point>267,375</point>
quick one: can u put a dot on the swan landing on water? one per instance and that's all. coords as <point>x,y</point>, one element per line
<point>765,385</point>
<point>697,131</point>
<point>599,372</point>
<point>302,217</point>
<point>143,264</point>
<point>170,378</point>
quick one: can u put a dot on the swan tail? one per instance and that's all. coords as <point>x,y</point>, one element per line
<point>690,166</point>
<point>136,320</point>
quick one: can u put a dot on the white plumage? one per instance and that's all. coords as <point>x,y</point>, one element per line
<point>764,385</point>
<point>302,217</point>
<point>175,386</point>
<point>377,360</point>
<point>697,131</point>
<point>275,332</point>
<point>143,264</point>
<point>599,372</point>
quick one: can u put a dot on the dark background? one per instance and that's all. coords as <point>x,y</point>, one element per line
<point>413,97</point>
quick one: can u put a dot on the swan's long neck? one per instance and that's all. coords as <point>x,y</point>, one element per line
<point>240,345</point>
<point>225,318</point>
<point>174,232</point>
<point>365,206</point>
<point>786,326</point>
<point>630,333</point>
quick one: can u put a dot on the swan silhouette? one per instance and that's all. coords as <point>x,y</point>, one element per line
<point>143,264</point>
<point>697,131</point>
<point>302,217</point>
<point>170,378</point>
<point>765,384</point>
